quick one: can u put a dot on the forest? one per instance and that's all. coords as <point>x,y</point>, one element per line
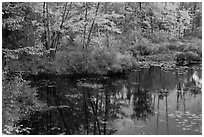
<point>90,39</point>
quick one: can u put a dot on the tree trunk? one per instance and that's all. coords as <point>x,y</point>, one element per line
<point>107,38</point>
<point>89,36</point>
<point>152,25</point>
<point>140,6</point>
<point>86,10</point>
<point>48,39</point>
<point>193,22</point>
<point>44,21</point>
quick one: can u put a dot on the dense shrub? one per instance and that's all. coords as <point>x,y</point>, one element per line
<point>28,59</point>
<point>160,36</point>
<point>181,47</point>
<point>187,57</point>
<point>161,57</point>
<point>195,45</point>
<point>144,50</point>
<point>159,48</point>
<point>180,57</point>
<point>18,101</point>
<point>176,46</point>
<point>191,56</point>
<point>171,46</point>
<point>100,61</point>
<point>197,33</point>
<point>134,52</point>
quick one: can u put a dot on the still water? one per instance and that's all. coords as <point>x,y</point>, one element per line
<point>147,101</point>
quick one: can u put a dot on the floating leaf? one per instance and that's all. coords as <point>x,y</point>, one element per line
<point>189,126</point>
<point>178,116</point>
<point>185,120</point>
<point>172,116</point>
<point>188,129</point>
<point>194,115</point>
<point>187,112</point>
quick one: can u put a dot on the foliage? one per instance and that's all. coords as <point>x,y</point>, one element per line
<point>99,61</point>
<point>194,45</point>
<point>191,56</point>
<point>87,34</point>
<point>18,25</point>
<point>187,57</point>
<point>18,101</point>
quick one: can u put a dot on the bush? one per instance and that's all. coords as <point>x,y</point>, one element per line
<point>122,62</point>
<point>144,50</point>
<point>188,57</point>
<point>195,45</point>
<point>180,57</point>
<point>195,34</point>
<point>159,48</point>
<point>176,46</point>
<point>161,57</point>
<point>99,61</point>
<point>191,57</point>
<point>171,47</point>
<point>18,101</point>
<point>160,36</point>
<point>181,47</point>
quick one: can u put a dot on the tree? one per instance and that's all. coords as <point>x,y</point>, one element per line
<point>18,25</point>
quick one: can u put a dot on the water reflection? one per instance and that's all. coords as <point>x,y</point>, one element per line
<point>144,102</point>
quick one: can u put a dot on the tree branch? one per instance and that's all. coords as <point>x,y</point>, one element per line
<point>85,25</point>
<point>88,40</point>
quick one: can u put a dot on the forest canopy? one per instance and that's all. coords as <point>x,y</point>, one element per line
<point>81,37</point>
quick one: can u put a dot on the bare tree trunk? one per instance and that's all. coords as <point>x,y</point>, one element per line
<point>141,17</point>
<point>88,40</point>
<point>47,39</point>
<point>48,29</point>
<point>86,10</point>
<point>57,35</point>
<point>107,38</point>
<point>179,32</point>
<point>63,16</point>
<point>44,21</point>
<point>152,25</point>
<point>140,6</point>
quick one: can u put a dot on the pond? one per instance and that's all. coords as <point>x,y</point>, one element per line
<point>147,101</point>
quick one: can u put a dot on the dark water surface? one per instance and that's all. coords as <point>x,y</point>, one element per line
<point>147,101</point>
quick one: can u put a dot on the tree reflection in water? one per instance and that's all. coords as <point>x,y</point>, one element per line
<point>142,104</point>
<point>88,105</point>
<point>82,109</point>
